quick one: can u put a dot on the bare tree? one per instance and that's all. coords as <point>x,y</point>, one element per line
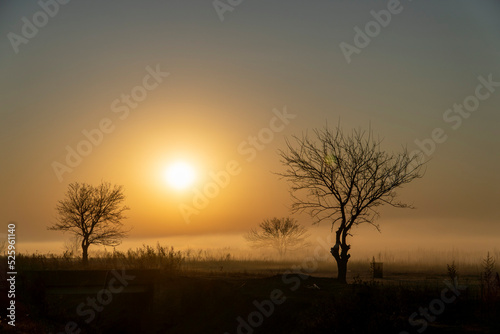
<point>92,214</point>
<point>282,234</point>
<point>343,179</point>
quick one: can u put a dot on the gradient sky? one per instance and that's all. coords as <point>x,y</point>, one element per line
<point>225,79</point>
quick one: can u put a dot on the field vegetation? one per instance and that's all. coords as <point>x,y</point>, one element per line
<point>209,290</point>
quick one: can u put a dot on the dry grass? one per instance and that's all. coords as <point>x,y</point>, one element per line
<point>411,280</point>
<point>398,265</point>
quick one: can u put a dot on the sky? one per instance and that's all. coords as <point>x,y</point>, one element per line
<point>154,82</point>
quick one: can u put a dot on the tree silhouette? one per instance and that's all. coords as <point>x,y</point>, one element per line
<point>92,214</point>
<point>343,179</point>
<point>282,234</point>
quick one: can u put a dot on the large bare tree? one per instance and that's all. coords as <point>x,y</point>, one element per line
<point>343,178</point>
<point>93,214</point>
<point>282,234</point>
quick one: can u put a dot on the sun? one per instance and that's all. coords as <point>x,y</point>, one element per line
<point>180,175</point>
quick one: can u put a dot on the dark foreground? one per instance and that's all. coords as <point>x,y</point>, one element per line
<point>150,301</point>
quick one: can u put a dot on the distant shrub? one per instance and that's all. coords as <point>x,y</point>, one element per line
<point>452,271</point>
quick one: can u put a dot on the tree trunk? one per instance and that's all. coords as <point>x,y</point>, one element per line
<point>341,254</point>
<point>342,270</point>
<point>85,255</point>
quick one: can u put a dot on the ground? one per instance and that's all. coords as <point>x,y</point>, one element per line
<point>159,301</point>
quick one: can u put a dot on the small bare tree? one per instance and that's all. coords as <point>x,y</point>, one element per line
<point>343,179</point>
<point>92,214</point>
<point>282,234</point>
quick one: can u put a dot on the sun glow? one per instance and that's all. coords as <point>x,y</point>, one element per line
<point>180,175</point>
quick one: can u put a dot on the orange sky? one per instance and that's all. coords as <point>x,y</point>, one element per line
<point>227,83</point>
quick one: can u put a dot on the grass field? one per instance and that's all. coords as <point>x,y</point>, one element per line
<point>168,291</point>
